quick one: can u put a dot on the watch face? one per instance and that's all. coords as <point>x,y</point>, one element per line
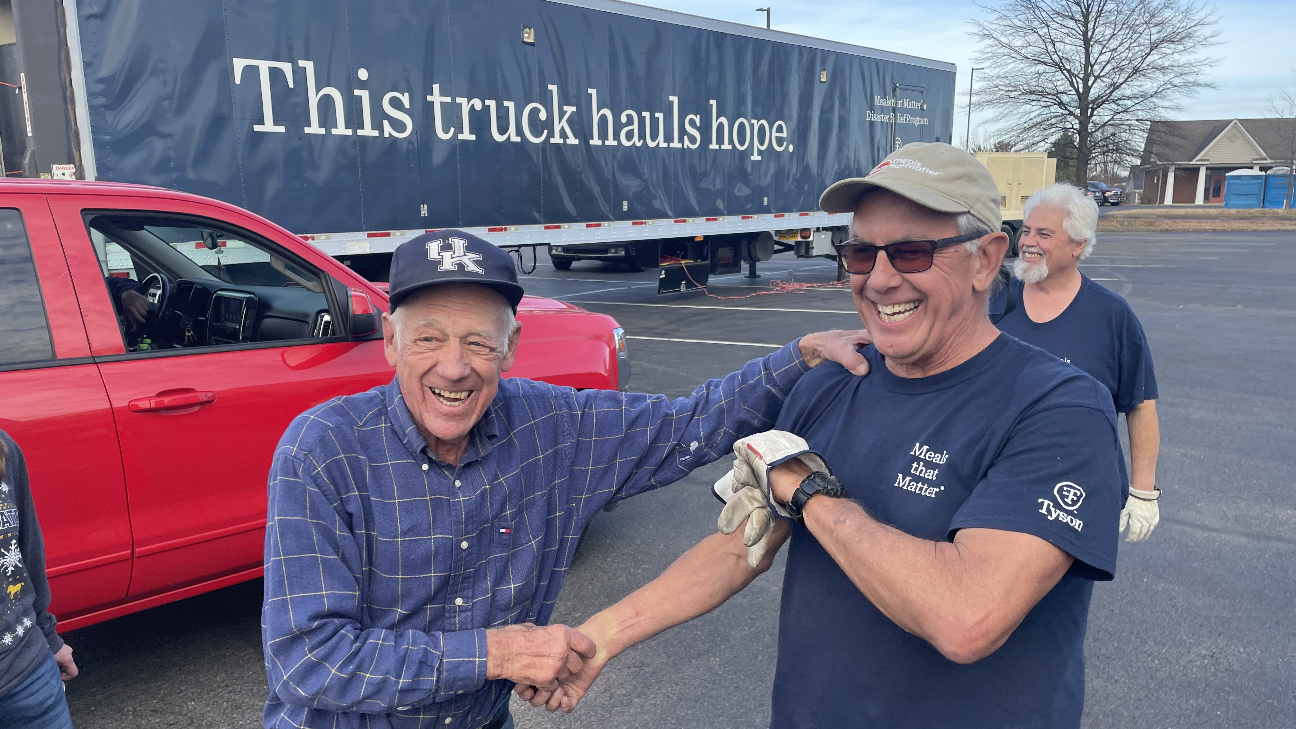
<point>822,483</point>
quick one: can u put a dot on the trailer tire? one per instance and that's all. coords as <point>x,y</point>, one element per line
<point>1013,234</point>
<point>562,264</point>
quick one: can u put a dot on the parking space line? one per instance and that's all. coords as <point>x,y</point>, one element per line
<point>722,308</point>
<point>587,293</point>
<point>708,341</point>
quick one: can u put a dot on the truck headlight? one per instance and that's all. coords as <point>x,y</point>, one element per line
<point>616,251</point>
<point>555,249</point>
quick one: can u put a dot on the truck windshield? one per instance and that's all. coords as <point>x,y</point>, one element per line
<point>182,251</point>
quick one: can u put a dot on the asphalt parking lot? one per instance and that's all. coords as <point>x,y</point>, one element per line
<point>1196,631</point>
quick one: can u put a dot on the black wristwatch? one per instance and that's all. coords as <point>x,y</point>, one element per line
<point>816,483</point>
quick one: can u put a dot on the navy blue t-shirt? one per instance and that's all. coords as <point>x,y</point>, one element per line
<point>1012,439</point>
<point>1098,333</point>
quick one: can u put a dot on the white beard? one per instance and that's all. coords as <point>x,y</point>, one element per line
<point>1030,272</point>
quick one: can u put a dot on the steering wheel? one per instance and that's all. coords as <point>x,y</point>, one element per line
<point>157,289</point>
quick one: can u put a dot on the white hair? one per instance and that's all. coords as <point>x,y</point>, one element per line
<point>969,223</point>
<point>1079,212</point>
<point>508,317</point>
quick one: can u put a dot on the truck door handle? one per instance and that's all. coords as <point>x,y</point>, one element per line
<point>171,400</point>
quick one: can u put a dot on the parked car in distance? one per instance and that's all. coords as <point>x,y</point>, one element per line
<point>1105,194</point>
<point>149,443</point>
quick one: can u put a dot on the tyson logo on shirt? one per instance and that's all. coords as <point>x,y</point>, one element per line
<point>1069,495</point>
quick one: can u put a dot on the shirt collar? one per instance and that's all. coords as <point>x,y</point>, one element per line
<point>481,439</point>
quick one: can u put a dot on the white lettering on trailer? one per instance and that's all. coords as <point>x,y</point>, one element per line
<point>365,115</point>
<point>313,98</point>
<point>267,107</point>
<point>752,136</point>
<point>560,123</point>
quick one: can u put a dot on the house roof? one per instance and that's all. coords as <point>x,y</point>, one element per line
<point>1182,142</point>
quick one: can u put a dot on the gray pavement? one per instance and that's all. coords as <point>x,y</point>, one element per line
<point>1196,631</point>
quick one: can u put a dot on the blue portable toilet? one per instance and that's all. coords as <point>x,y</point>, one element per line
<point>1276,187</point>
<point>1244,189</point>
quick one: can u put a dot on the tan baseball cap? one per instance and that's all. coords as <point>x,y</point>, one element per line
<point>932,174</point>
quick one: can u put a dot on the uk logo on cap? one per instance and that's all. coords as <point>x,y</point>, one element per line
<point>457,254</point>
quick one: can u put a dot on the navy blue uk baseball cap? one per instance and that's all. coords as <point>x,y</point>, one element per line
<point>451,256</point>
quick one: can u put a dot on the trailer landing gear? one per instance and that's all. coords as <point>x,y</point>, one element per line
<point>751,270</point>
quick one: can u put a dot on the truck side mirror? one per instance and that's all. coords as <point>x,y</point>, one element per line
<point>363,318</point>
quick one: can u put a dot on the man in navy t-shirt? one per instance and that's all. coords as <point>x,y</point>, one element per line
<point>943,577</point>
<point>1064,312</point>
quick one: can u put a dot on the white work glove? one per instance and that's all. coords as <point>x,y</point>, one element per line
<point>1141,514</point>
<point>745,504</point>
<point>745,489</point>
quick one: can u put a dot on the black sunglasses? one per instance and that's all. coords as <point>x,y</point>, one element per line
<point>906,256</point>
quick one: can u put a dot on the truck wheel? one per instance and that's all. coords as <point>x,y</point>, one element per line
<point>562,264</point>
<point>1013,235</point>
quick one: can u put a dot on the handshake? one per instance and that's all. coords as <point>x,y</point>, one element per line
<point>552,665</point>
<point>561,666</point>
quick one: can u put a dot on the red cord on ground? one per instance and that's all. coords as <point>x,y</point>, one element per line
<point>776,287</point>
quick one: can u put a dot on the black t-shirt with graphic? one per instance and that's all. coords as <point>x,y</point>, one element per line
<point>1012,439</point>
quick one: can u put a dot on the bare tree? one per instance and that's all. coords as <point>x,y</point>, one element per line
<point>1096,69</point>
<point>984,140</point>
<point>1283,106</point>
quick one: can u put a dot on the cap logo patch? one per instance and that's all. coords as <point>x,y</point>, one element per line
<point>901,162</point>
<point>457,254</point>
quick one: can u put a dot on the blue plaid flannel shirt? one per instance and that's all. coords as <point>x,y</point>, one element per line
<point>384,565</point>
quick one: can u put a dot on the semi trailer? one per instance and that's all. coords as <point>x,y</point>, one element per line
<point>592,129</point>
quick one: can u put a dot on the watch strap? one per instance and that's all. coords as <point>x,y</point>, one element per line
<point>816,483</point>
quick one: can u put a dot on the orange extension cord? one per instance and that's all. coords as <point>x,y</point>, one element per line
<point>776,287</point>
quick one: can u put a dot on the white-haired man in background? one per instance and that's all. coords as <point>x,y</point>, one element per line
<point>1067,314</point>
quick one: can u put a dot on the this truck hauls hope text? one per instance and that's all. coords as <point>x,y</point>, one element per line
<point>462,118</point>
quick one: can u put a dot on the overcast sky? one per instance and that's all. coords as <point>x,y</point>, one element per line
<point>1256,61</point>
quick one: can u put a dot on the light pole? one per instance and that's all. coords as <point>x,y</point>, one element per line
<point>967,140</point>
<point>767,16</point>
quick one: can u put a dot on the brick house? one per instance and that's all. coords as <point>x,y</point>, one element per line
<point>1184,162</point>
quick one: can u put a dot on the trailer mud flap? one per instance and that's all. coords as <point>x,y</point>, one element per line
<point>683,277</point>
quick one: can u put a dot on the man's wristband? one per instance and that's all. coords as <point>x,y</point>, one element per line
<point>1141,495</point>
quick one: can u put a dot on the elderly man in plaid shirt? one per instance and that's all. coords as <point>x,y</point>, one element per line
<point>419,533</point>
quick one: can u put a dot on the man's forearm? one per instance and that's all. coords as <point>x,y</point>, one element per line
<point>1145,444</point>
<point>943,592</point>
<point>699,581</point>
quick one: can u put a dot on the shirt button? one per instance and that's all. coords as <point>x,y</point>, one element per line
<point>463,544</point>
<point>448,719</point>
<point>458,483</point>
<point>458,600</point>
<point>424,466</point>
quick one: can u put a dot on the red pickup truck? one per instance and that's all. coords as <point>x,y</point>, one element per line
<point>148,443</point>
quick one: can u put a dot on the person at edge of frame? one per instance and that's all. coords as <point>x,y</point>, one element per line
<point>34,660</point>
